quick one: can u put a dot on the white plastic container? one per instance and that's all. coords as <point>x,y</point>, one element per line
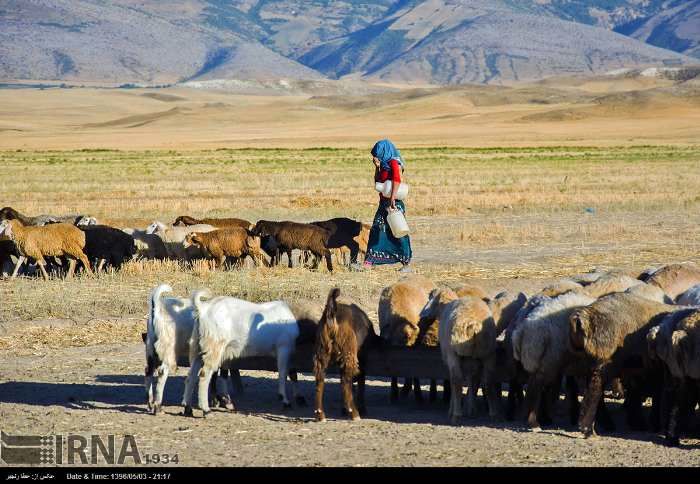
<point>397,223</point>
<point>385,189</point>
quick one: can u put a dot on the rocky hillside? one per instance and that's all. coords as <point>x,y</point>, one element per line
<point>418,41</point>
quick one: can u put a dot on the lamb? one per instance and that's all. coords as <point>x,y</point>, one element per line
<point>691,297</point>
<point>399,315</point>
<point>676,341</point>
<point>292,235</point>
<point>219,223</point>
<point>467,334</point>
<point>612,333</point>
<point>344,335</point>
<point>9,213</point>
<point>107,245</point>
<point>148,246</point>
<point>232,242</point>
<point>675,279</point>
<point>227,328</point>
<point>53,240</point>
<point>173,237</point>
<point>540,344</point>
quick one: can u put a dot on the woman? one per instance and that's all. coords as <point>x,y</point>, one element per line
<point>383,247</point>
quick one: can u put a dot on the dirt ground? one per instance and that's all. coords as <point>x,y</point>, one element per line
<point>98,390</point>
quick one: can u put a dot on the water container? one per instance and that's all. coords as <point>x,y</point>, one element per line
<point>385,189</point>
<point>397,223</point>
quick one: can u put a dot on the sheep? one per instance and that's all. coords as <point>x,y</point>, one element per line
<point>344,233</point>
<point>292,235</point>
<point>676,341</point>
<point>647,291</point>
<point>53,240</point>
<point>107,245</point>
<point>540,344</point>
<point>9,213</point>
<point>148,246</point>
<point>232,242</point>
<point>467,334</point>
<point>691,297</point>
<point>399,315</point>
<point>469,290</point>
<point>344,335</point>
<point>219,223</point>
<point>307,314</point>
<point>173,238</point>
<point>560,287</point>
<point>612,333</point>
<point>608,284</point>
<point>675,279</point>
<point>227,328</point>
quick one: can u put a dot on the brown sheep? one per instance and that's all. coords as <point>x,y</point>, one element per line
<point>345,233</point>
<point>612,333</point>
<point>220,223</point>
<point>293,235</point>
<point>399,315</point>
<point>344,334</point>
<point>53,240</point>
<point>676,341</point>
<point>9,213</point>
<point>675,279</point>
<point>469,290</point>
<point>232,242</point>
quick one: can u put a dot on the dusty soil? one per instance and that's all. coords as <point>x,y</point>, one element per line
<point>98,390</point>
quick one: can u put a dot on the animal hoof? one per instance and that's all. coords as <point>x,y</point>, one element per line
<point>157,410</point>
<point>286,406</point>
<point>454,420</point>
<point>536,429</point>
<point>187,412</point>
<point>320,416</point>
<point>205,413</point>
<point>301,401</point>
<point>356,417</point>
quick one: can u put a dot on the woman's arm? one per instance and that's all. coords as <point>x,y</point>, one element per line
<point>395,182</point>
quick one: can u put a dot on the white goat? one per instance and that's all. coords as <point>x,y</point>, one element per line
<point>169,328</point>
<point>227,328</point>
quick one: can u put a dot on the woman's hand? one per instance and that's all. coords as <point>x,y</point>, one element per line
<point>392,203</point>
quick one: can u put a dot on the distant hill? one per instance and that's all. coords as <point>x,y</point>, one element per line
<point>446,42</point>
<point>427,41</point>
<point>677,28</point>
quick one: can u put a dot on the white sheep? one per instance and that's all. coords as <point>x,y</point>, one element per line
<point>540,344</point>
<point>691,297</point>
<point>647,291</point>
<point>148,246</point>
<point>228,328</point>
<point>467,334</point>
<point>174,236</point>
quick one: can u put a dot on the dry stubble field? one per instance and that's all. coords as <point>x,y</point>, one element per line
<point>512,218</point>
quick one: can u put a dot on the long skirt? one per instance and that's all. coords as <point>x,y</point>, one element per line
<point>383,247</point>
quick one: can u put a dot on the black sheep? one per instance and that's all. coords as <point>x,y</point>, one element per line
<point>108,244</point>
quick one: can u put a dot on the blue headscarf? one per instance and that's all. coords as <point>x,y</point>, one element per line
<point>386,151</point>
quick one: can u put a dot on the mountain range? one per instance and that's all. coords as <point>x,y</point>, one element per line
<point>396,41</point>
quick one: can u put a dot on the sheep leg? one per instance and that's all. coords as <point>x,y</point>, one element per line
<point>679,396</point>
<point>346,388</point>
<point>86,263</point>
<point>203,391</point>
<point>472,388</point>
<point>289,257</point>
<point>223,398</point>
<point>361,392</point>
<point>72,263</point>
<point>492,388</point>
<point>455,411</point>
<point>394,396</point>
<point>320,383</point>
<point>406,389</point>
<point>20,261</point>
<point>329,262</point>
<point>161,376</point>
<point>593,395</point>
<point>237,383</point>
<point>189,386</point>
<point>572,399</point>
<point>532,401</point>
<point>283,355</point>
<point>514,392</point>
<point>432,395</point>
<point>41,265</point>
<point>100,265</point>
<point>446,387</point>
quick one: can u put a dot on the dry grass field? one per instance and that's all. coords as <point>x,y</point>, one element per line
<point>604,190</point>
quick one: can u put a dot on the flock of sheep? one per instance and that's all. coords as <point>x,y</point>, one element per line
<point>638,336</point>
<point>51,243</point>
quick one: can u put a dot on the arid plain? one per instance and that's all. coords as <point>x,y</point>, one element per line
<point>512,187</point>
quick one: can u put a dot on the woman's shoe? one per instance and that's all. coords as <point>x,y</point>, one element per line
<point>406,269</point>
